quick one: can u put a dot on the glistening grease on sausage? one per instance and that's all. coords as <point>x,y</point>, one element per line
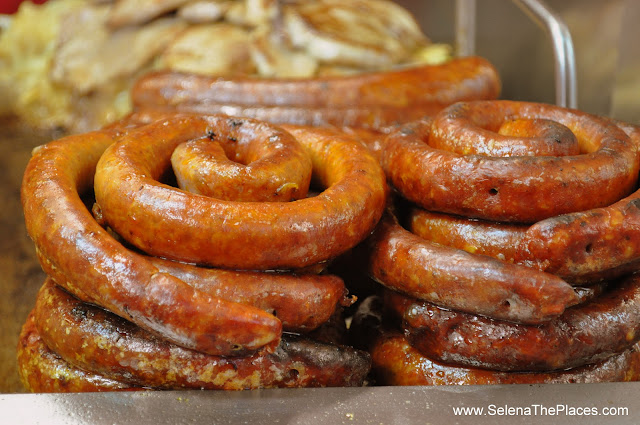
<point>513,188</point>
<point>43,371</point>
<point>592,238</point>
<point>366,100</point>
<point>395,361</point>
<point>98,341</point>
<point>246,235</point>
<point>254,168</point>
<point>84,258</point>
<point>301,301</point>
<point>93,265</point>
<point>500,186</point>
<point>459,280</point>
<point>583,334</point>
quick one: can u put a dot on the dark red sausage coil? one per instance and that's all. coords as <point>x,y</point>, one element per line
<point>515,188</point>
<point>43,371</point>
<point>584,334</point>
<point>513,243</point>
<point>395,361</point>
<point>81,334</point>
<point>278,235</point>
<point>462,281</point>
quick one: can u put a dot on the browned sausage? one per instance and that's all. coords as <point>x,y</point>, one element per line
<point>516,188</point>
<point>584,334</point>
<point>512,137</point>
<point>96,267</point>
<point>97,340</point>
<point>462,281</point>
<point>302,302</point>
<point>396,362</point>
<point>238,234</point>
<point>370,100</point>
<point>253,168</point>
<point>43,371</point>
<point>371,138</point>
<point>497,240</point>
<point>583,244</point>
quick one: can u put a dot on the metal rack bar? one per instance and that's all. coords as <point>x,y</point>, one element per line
<point>565,64</point>
<point>465,27</point>
<point>541,14</point>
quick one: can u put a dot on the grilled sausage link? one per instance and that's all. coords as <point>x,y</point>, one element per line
<point>93,265</point>
<point>395,361</point>
<point>43,371</point>
<point>456,279</point>
<point>607,324</point>
<point>204,314</point>
<point>367,100</point>
<point>98,341</point>
<point>582,241</point>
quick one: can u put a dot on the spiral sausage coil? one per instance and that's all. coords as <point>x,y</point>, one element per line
<point>221,283</point>
<point>202,299</point>
<point>511,253</point>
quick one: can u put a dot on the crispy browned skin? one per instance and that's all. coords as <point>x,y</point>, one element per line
<point>370,100</point>
<point>586,247</point>
<point>254,168</point>
<point>512,137</point>
<point>302,302</point>
<point>373,139</point>
<point>396,362</point>
<point>99,341</point>
<point>497,240</point>
<point>517,188</point>
<point>462,281</point>
<point>43,371</point>
<point>246,235</point>
<point>582,245</point>
<point>94,266</point>
<point>583,334</point>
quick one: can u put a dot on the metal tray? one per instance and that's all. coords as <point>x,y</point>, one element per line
<point>500,404</point>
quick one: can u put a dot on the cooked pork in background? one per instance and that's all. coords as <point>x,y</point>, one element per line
<point>70,63</point>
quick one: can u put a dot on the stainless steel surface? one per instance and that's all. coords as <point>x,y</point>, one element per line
<point>517,404</point>
<point>559,35</point>
<point>605,37</point>
<point>563,53</point>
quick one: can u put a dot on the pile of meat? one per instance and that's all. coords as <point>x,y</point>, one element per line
<point>190,250</point>
<point>151,285</point>
<point>520,260</point>
<point>71,63</point>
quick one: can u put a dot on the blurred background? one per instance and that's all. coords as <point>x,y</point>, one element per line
<point>605,36</point>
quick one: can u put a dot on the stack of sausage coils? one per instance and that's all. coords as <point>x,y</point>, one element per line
<point>188,248</point>
<point>511,252</point>
<point>152,286</point>
<point>507,248</point>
